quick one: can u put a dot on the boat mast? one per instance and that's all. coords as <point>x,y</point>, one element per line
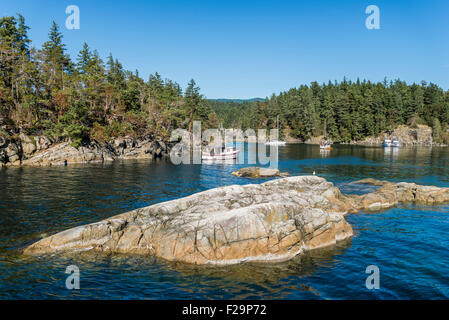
<point>325,128</point>
<point>277,124</point>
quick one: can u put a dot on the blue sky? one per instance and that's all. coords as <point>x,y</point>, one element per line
<point>245,49</point>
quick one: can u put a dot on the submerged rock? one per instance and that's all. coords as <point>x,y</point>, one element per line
<point>257,172</point>
<point>272,221</point>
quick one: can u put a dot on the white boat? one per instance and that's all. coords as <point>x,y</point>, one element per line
<point>276,143</point>
<point>325,146</point>
<point>396,143</point>
<point>221,154</point>
<point>387,143</point>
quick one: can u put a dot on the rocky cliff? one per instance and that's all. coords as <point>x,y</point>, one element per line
<point>41,151</point>
<point>272,221</point>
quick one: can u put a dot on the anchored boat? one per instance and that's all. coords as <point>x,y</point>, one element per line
<point>326,144</point>
<point>396,143</point>
<point>276,142</point>
<point>223,153</point>
<point>391,143</point>
<point>387,143</point>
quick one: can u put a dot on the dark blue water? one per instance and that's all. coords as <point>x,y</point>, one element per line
<point>409,244</point>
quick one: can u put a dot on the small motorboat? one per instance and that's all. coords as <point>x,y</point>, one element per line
<point>325,145</point>
<point>224,153</point>
<point>387,143</point>
<point>395,143</point>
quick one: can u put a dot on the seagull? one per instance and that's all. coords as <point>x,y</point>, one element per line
<point>314,173</point>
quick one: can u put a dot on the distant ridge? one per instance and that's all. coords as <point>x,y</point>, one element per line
<point>237,100</point>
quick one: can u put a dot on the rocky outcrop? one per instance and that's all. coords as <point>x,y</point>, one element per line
<point>272,221</point>
<point>257,172</point>
<point>420,135</point>
<point>11,153</point>
<point>315,140</point>
<point>142,148</point>
<point>41,151</point>
<point>391,194</point>
<point>64,153</point>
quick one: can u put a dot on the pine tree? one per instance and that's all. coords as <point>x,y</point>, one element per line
<point>84,59</point>
<point>22,32</point>
<point>193,100</point>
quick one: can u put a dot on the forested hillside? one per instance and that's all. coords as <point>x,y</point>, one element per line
<point>44,91</point>
<point>344,111</point>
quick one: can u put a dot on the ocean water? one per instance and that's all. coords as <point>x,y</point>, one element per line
<point>409,244</point>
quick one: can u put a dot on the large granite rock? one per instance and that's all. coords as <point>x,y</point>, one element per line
<point>28,144</point>
<point>11,153</point>
<point>272,221</point>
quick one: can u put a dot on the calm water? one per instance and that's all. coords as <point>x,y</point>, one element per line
<point>409,244</point>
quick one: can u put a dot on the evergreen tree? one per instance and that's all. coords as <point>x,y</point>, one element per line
<point>193,101</point>
<point>84,59</point>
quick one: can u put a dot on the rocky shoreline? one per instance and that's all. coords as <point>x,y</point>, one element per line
<point>23,150</point>
<point>271,221</point>
<point>42,151</point>
<point>419,136</point>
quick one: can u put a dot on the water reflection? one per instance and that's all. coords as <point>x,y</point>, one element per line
<point>346,162</point>
<point>391,153</point>
<point>35,202</point>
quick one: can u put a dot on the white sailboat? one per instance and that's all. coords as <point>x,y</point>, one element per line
<point>276,142</point>
<point>325,144</point>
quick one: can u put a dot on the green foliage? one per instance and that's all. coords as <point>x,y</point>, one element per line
<point>343,111</point>
<point>45,92</point>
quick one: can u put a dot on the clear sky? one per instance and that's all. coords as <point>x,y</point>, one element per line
<point>245,49</point>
